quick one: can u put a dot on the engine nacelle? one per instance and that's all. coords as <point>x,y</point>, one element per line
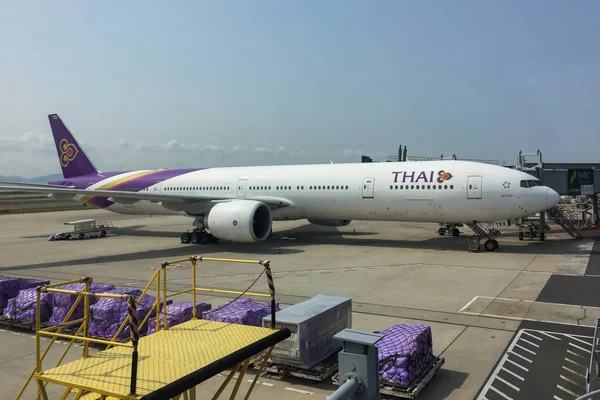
<point>240,221</point>
<point>330,222</point>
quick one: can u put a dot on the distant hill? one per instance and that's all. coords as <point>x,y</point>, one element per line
<point>37,179</point>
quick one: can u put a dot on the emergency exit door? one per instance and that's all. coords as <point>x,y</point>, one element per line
<point>474,187</point>
<point>367,191</point>
<point>241,188</point>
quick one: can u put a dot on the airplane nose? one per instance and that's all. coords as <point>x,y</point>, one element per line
<point>552,198</point>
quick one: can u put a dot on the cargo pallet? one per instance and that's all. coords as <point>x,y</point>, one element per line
<point>318,373</point>
<point>413,390</point>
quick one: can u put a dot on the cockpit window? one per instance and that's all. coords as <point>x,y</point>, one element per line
<point>531,183</point>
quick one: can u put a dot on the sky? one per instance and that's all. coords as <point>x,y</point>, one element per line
<point>225,83</point>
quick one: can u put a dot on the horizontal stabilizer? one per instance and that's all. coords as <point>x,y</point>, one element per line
<point>35,185</point>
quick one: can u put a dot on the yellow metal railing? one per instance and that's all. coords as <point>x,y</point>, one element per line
<point>194,289</point>
<point>160,278</point>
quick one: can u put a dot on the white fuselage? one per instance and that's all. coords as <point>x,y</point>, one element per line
<point>398,191</point>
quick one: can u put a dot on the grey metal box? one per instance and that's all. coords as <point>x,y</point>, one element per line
<point>312,324</point>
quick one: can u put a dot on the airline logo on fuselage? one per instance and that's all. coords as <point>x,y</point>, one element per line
<point>421,176</point>
<point>68,152</point>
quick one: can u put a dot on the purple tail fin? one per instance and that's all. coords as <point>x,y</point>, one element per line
<point>72,158</point>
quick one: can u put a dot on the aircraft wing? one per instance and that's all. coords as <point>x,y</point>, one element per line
<point>276,202</point>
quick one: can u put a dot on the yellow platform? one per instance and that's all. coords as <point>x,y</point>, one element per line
<point>195,347</point>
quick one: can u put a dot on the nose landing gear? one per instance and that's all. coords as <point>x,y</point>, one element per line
<point>490,244</point>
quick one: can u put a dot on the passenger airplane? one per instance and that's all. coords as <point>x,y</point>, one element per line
<point>239,204</point>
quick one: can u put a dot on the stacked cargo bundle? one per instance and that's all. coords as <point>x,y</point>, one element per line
<point>404,352</point>
<point>108,314</point>
<point>242,311</point>
<point>178,313</point>
<point>62,302</point>
<point>312,324</point>
<point>23,307</point>
<point>10,286</point>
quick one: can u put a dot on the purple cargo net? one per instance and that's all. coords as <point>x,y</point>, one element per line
<point>10,286</point>
<point>23,307</point>
<point>62,302</point>
<point>108,314</point>
<point>241,311</point>
<point>178,313</point>
<point>403,353</point>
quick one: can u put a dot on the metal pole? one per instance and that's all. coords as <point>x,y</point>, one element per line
<point>267,267</point>
<point>135,336</point>
<point>194,287</point>
<point>344,392</point>
<point>86,316</point>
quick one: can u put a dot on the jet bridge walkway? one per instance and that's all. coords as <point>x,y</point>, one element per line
<point>167,364</point>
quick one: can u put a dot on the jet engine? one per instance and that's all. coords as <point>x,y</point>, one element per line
<point>240,221</point>
<point>330,222</point>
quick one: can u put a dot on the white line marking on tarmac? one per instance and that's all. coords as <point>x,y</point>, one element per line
<point>518,355</point>
<point>518,365</point>
<point>531,343</point>
<point>573,372</point>
<point>568,391</point>
<point>512,373</point>
<point>532,335</point>
<point>578,355</point>
<point>468,304</point>
<point>261,383</point>
<point>500,393</point>
<point>508,383</point>
<point>573,362</point>
<point>582,341</point>
<point>549,335</point>
<point>526,349</point>
<point>299,391</point>
<point>571,381</point>
<point>580,348</point>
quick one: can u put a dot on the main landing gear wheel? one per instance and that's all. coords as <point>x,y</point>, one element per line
<point>455,232</point>
<point>198,237</point>
<point>185,237</point>
<point>491,245</point>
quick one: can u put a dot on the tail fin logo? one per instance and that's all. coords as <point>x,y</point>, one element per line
<point>68,152</point>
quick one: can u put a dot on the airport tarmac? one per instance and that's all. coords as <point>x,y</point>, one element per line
<point>395,273</point>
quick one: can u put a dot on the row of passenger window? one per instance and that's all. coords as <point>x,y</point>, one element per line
<point>197,188</point>
<point>319,187</point>
<point>421,187</point>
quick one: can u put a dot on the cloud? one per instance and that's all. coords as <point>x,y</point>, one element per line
<point>168,154</point>
<point>352,153</point>
<point>29,142</point>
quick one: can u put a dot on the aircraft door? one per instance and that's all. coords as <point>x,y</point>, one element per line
<point>367,191</point>
<point>157,186</point>
<point>241,188</point>
<point>474,184</point>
